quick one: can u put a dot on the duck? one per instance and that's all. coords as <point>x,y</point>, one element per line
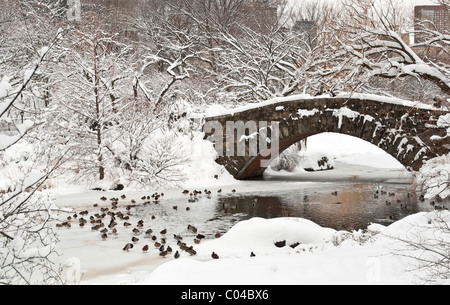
<point>149,232</point>
<point>145,249</point>
<point>136,231</point>
<point>157,245</point>
<point>177,237</point>
<point>217,235</point>
<point>134,239</point>
<point>192,228</point>
<point>169,249</point>
<point>219,191</point>
<point>334,193</point>
<point>191,251</point>
<point>177,254</point>
<point>104,236</point>
<point>200,236</point>
<point>163,253</point>
<point>196,241</point>
<point>128,247</point>
<point>214,255</point>
<point>103,198</point>
<point>175,207</point>
<point>233,191</point>
<point>123,196</point>
<point>126,224</point>
<point>252,254</point>
<point>163,232</point>
<point>161,249</point>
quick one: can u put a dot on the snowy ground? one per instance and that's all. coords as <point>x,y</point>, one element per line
<point>312,254</point>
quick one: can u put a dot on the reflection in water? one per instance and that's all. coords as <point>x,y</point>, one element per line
<point>345,207</point>
<point>341,206</point>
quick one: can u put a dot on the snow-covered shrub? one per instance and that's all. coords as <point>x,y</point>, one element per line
<point>161,159</point>
<point>293,159</point>
<point>27,243</point>
<point>314,161</point>
<point>425,239</point>
<point>434,177</point>
<point>289,160</point>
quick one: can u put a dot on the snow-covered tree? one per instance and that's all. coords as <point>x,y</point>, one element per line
<point>260,66</point>
<point>94,84</point>
<point>27,243</point>
<point>371,42</point>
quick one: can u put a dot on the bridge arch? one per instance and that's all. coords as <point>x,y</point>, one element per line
<point>409,133</point>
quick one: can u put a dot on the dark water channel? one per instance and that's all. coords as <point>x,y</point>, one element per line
<point>342,204</point>
<point>350,206</point>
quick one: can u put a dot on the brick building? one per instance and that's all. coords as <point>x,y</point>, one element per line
<point>431,17</point>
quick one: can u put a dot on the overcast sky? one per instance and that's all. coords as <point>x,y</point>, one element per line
<point>407,2</point>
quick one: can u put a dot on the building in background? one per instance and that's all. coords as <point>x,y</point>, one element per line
<point>430,17</point>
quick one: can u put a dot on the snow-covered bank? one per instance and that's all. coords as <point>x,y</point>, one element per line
<point>311,255</point>
<point>323,256</point>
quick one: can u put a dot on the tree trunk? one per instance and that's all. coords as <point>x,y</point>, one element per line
<point>101,169</point>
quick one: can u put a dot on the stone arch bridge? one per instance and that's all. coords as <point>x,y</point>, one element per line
<point>409,133</point>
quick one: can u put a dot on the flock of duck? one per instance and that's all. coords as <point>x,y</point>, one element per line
<point>113,216</point>
<point>109,218</point>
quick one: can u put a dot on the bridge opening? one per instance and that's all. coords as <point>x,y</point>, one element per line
<point>352,149</point>
<point>327,145</point>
